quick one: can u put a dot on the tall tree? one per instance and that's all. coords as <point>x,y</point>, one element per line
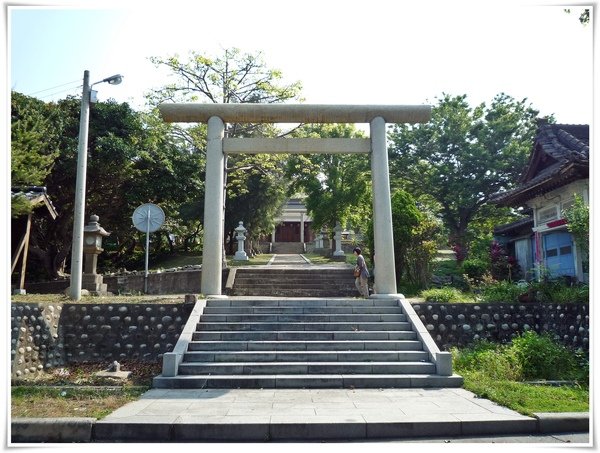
<point>463,156</point>
<point>129,163</point>
<point>337,186</point>
<point>33,145</point>
<point>234,77</point>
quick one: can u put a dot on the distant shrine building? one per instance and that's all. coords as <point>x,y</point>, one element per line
<point>294,224</point>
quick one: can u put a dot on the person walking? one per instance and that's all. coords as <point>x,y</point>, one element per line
<point>361,273</point>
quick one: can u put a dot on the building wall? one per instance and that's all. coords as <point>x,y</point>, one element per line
<point>548,226</point>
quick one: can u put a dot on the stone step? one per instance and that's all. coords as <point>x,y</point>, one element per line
<point>303,270</point>
<point>302,302</point>
<point>306,345</point>
<point>303,318</point>
<point>210,310</point>
<point>284,248</point>
<point>305,356</point>
<point>349,381</point>
<point>302,335</point>
<point>304,342</point>
<point>292,280</point>
<point>243,368</point>
<point>266,284</point>
<point>303,326</point>
<point>291,292</point>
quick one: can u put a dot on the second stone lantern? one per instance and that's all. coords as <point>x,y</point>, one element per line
<point>93,234</point>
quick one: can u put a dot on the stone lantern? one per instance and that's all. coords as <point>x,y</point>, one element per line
<point>240,255</point>
<point>92,247</point>
<point>338,240</point>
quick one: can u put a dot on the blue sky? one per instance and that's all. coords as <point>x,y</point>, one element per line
<point>380,51</point>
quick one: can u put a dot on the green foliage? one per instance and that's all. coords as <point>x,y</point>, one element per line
<point>19,205</point>
<point>405,218</point>
<point>447,268</point>
<point>557,291</point>
<point>463,156</point>
<point>337,186</point>
<point>447,294</point>
<point>578,224</point>
<point>34,140</point>
<point>500,291</point>
<point>474,268</point>
<point>255,184</point>
<point>530,356</point>
<point>526,398</point>
<point>423,249</point>
<point>502,265</point>
<point>543,358</point>
<point>234,77</point>
<point>495,360</point>
<point>416,238</point>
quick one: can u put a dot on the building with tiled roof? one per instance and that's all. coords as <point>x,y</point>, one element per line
<point>557,170</point>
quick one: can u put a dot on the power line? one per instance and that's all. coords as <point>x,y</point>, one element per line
<point>53,88</point>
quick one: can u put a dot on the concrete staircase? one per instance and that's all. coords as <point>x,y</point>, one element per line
<point>292,282</point>
<point>305,343</point>
<point>288,247</point>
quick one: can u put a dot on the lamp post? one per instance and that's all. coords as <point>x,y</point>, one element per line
<point>79,207</point>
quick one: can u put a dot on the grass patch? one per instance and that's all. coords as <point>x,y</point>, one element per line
<point>527,398</point>
<point>42,401</point>
<point>76,391</point>
<point>177,260</point>
<point>500,372</point>
<point>447,294</point>
<point>116,299</point>
<point>320,259</point>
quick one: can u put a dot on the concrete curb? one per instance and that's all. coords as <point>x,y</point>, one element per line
<point>554,422</point>
<point>82,430</point>
<point>56,430</point>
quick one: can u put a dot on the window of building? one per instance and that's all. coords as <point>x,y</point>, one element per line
<point>547,214</point>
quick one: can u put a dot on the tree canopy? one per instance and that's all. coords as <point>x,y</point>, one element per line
<point>337,186</point>
<point>463,156</point>
<point>255,184</point>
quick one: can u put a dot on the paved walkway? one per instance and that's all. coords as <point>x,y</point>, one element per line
<point>271,414</point>
<point>289,260</point>
<point>298,260</point>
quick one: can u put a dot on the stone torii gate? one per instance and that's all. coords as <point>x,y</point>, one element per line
<point>216,115</point>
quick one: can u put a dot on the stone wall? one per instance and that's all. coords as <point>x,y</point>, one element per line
<point>461,324</point>
<point>46,336</point>
<point>166,282</point>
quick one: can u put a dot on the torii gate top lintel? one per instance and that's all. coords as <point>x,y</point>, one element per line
<point>294,113</point>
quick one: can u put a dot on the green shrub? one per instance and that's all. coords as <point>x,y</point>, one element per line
<point>568,294</point>
<point>474,268</point>
<point>558,292</point>
<point>543,358</point>
<point>490,358</point>
<point>529,356</point>
<point>446,268</point>
<point>502,366</point>
<point>446,294</point>
<point>501,292</point>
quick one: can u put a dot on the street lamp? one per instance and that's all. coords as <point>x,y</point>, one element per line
<point>79,207</point>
